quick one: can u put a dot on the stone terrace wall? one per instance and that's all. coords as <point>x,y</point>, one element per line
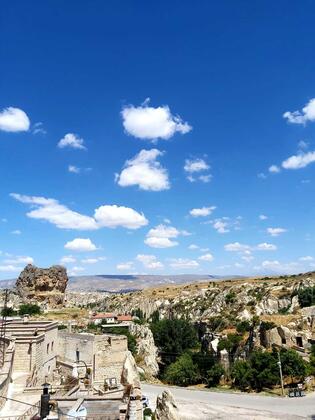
<point>6,371</point>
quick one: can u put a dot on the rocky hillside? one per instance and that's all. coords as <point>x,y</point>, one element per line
<point>240,298</point>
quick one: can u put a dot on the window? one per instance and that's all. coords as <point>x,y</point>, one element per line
<point>52,346</point>
<point>299,341</point>
<point>283,340</point>
<point>77,355</point>
<point>47,348</point>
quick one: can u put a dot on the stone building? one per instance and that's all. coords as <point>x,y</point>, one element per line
<point>104,354</point>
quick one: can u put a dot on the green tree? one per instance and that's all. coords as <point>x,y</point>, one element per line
<point>214,374</point>
<point>243,327</point>
<point>174,337</point>
<point>265,370</point>
<point>29,309</point>
<point>292,364</point>
<point>183,372</point>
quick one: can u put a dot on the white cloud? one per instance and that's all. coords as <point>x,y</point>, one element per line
<point>307,258</point>
<point>149,261</point>
<point>238,265</point>
<point>81,245</point>
<point>19,260</point>
<point>51,210</point>
<point>266,247</point>
<point>38,128</point>
<point>10,268</point>
<point>263,217</point>
<point>74,169</point>
<point>276,231</point>
<point>193,247</point>
<point>274,169</point>
<point>146,122</point>
<point>75,270</point>
<point>14,120</point>
<point>221,226</point>
<point>195,165</point>
<point>276,266</point>
<point>299,161</point>
<point>206,257</point>
<point>247,258</point>
<point>145,171</point>
<point>236,247</point>
<point>72,141</point>
<point>92,260</point>
<point>113,216</point>
<point>16,232</point>
<point>161,237</point>
<point>68,259</point>
<point>298,117</point>
<point>202,212</point>
<point>205,178</point>
<point>183,263</point>
<point>126,266</point>
<point>104,216</point>
<point>261,175</point>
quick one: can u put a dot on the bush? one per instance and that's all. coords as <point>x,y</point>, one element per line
<point>183,372</point>
<point>214,374</point>
<point>8,312</point>
<point>243,327</point>
<point>230,297</point>
<point>242,375</point>
<point>29,309</point>
<point>306,296</point>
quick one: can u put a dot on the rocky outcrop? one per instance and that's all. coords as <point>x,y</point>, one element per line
<point>166,408</point>
<point>43,285</point>
<point>147,352</point>
<point>129,375</point>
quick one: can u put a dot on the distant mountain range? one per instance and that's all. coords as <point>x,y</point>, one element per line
<point>126,283</point>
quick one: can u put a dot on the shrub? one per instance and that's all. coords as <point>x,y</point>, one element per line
<point>230,297</point>
<point>29,309</point>
<point>306,296</point>
<point>214,374</point>
<point>8,312</point>
<point>243,327</point>
<point>183,372</point>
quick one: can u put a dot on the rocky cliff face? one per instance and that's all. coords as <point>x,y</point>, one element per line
<point>42,285</point>
<point>166,408</point>
<point>147,352</point>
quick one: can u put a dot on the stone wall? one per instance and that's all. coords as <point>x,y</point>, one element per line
<point>6,372</point>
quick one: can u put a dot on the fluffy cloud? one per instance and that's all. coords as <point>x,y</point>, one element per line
<point>146,122</point>
<point>278,267</point>
<point>206,257</point>
<point>221,226</point>
<point>68,259</point>
<point>236,247</point>
<point>51,210</point>
<point>298,117</point>
<point>193,167</point>
<point>113,216</point>
<point>14,120</point>
<point>126,266</point>
<point>202,212</point>
<point>183,263</point>
<point>71,141</point>
<point>274,169</point>
<point>16,232</point>
<point>263,217</point>
<point>307,258</point>
<point>276,231</point>
<point>266,247</point>
<point>149,261</point>
<point>19,260</point>
<point>299,161</point>
<point>192,247</point>
<point>145,171</point>
<point>74,169</point>
<point>92,260</point>
<point>104,216</point>
<point>162,237</point>
<point>81,245</point>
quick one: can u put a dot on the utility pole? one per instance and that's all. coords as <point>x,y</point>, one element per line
<point>281,376</point>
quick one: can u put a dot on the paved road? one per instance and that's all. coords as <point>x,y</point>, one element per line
<point>280,407</point>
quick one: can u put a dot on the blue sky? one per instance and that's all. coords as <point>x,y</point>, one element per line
<point>157,137</point>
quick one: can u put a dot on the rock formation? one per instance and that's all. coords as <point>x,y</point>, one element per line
<point>166,409</point>
<point>42,285</point>
<point>147,352</point>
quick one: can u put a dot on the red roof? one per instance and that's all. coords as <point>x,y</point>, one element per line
<point>124,318</point>
<point>104,316</point>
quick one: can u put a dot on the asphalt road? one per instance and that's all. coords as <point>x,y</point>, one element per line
<point>286,407</point>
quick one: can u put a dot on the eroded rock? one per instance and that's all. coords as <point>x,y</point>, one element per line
<point>166,408</point>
